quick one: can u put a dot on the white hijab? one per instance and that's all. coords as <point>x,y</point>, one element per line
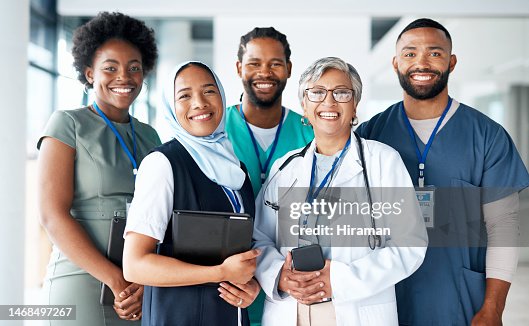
<point>213,154</point>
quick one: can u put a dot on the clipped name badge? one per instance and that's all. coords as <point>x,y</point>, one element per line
<point>303,242</point>
<point>426,199</point>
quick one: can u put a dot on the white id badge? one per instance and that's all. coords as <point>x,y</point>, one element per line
<point>303,242</point>
<point>426,198</point>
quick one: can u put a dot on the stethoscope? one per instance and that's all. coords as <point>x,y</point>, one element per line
<point>373,240</point>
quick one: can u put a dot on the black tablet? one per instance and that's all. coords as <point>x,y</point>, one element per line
<point>114,254</point>
<point>207,238</point>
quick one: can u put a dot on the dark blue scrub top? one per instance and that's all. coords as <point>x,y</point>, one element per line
<point>470,151</point>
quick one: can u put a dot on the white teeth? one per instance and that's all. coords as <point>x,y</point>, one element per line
<point>328,115</point>
<point>122,90</point>
<point>202,116</point>
<point>263,85</point>
<point>421,78</point>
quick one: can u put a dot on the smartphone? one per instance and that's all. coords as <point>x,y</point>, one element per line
<point>308,258</point>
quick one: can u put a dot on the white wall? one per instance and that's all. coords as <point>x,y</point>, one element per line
<point>14,32</point>
<point>174,46</point>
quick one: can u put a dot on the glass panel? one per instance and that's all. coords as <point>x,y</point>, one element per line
<point>42,32</point>
<point>47,7</point>
<point>42,42</point>
<point>69,93</point>
<point>39,104</point>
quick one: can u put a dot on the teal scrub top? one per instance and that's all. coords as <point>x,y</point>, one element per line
<point>293,135</point>
<point>470,152</point>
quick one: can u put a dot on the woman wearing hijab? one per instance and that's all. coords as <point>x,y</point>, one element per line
<point>197,170</point>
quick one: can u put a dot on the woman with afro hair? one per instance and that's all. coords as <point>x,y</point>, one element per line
<point>87,165</point>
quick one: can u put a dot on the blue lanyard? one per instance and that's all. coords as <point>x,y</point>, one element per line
<point>132,157</point>
<point>314,194</point>
<point>422,157</point>
<point>233,199</point>
<point>256,148</point>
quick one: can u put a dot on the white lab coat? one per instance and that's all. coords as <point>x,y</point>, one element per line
<point>362,280</point>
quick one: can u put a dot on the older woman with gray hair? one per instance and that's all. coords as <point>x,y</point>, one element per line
<point>354,282</point>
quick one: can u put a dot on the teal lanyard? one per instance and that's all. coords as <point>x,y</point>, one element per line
<point>132,157</point>
<point>256,147</point>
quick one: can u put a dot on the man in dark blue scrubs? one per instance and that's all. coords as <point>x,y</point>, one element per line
<point>460,159</point>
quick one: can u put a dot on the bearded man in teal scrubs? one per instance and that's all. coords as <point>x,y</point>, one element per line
<point>260,128</point>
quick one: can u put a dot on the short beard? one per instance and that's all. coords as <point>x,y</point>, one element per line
<point>263,103</point>
<point>424,93</point>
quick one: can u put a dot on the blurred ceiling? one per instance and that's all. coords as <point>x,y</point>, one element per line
<point>380,8</point>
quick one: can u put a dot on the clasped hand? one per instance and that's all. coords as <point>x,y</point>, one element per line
<point>239,287</point>
<point>306,287</point>
<point>128,303</point>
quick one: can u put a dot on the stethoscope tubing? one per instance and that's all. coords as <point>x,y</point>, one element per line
<point>373,240</point>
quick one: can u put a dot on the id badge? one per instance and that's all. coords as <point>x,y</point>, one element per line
<point>426,199</point>
<point>303,242</point>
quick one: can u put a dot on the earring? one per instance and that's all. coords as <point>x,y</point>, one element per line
<point>305,121</point>
<point>85,87</point>
<point>354,122</point>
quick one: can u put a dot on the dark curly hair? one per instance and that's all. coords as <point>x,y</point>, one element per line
<point>263,32</point>
<point>105,26</point>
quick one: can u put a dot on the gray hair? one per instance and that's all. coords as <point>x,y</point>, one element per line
<point>318,67</point>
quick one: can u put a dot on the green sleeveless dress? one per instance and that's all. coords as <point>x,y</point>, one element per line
<point>103,183</point>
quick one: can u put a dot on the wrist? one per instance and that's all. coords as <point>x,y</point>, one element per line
<point>282,285</point>
<point>219,273</point>
<point>116,281</point>
<point>493,305</point>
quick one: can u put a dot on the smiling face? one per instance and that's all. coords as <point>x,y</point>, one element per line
<point>424,62</point>
<point>330,118</point>
<point>197,101</point>
<point>264,71</point>
<point>116,75</point>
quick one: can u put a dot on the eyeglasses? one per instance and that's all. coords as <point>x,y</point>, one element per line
<point>318,95</point>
